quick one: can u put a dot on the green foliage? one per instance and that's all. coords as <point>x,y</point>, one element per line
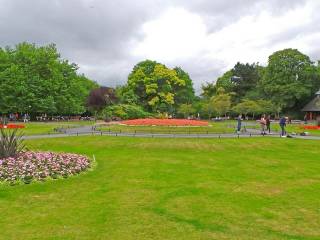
<point>247,106</point>
<point>290,79</point>
<point>124,111</point>
<point>184,94</point>
<point>158,88</point>
<point>36,80</point>
<point>246,78</point>
<point>221,103</point>
<point>11,143</point>
<point>186,110</point>
<point>225,81</point>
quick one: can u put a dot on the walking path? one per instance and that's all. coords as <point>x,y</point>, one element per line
<point>89,130</point>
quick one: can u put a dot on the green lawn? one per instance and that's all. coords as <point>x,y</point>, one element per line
<point>38,128</point>
<point>143,188</point>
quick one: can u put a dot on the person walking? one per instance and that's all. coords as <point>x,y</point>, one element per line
<point>268,123</point>
<point>282,124</point>
<point>263,124</point>
<point>239,120</point>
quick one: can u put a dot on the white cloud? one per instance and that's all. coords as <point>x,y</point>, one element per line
<point>180,36</point>
<point>176,34</point>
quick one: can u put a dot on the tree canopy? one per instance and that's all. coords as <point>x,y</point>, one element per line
<point>36,80</point>
<point>159,88</point>
<point>290,78</point>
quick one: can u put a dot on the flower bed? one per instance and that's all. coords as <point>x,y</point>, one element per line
<point>12,126</point>
<point>29,166</point>
<point>311,127</point>
<point>164,122</point>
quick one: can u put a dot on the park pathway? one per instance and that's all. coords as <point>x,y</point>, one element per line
<point>90,131</point>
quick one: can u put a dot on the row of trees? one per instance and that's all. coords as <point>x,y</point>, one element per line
<point>289,81</point>
<point>286,84</point>
<point>36,80</point>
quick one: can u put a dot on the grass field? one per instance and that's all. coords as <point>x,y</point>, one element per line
<point>38,128</point>
<point>172,189</point>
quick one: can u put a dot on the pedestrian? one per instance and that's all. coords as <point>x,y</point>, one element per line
<point>25,118</point>
<point>268,123</point>
<point>239,120</point>
<point>305,119</point>
<point>263,124</point>
<point>282,124</point>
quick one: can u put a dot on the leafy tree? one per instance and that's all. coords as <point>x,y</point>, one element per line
<point>247,106</point>
<point>186,110</point>
<point>36,80</point>
<point>101,97</point>
<point>183,93</point>
<point>156,86</point>
<point>290,79</point>
<point>245,78</point>
<point>126,95</point>
<point>225,81</point>
<point>221,103</point>
<point>124,111</point>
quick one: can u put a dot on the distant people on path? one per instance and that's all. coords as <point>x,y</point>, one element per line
<point>239,120</point>
<point>25,117</point>
<point>268,123</point>
<point>305,119</point>
<point>263,123</point>
<point>282,124</point>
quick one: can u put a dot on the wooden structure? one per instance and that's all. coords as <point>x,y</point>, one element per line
<point>312,109</point>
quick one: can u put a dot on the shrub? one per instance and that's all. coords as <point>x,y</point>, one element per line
<point>11,143</point>
<point>124,111</point>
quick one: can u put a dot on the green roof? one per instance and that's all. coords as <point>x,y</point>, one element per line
<point>314,105</point>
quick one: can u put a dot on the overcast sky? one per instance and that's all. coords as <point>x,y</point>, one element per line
<point>205,37</point>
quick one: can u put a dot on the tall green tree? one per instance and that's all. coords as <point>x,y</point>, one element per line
<point>290,79</point>
<point>36,80</point>
<point>157,87</point>
<point>221,103</point>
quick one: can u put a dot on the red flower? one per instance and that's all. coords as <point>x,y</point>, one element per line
<point>164,122</point>
<point>12,126</point>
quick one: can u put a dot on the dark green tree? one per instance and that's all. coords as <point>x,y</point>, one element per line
<point>290,79</point>
<point>36,80</point>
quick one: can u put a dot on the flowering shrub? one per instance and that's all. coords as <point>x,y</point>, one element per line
<point>311,127</point>
<point>29,166</point>
<point>164,122</point>
<point>12,126</point>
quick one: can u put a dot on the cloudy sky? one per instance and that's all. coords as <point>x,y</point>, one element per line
<point>205,37</point>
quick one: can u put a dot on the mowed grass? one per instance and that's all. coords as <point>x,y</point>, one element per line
<point>39,128</point>
<point>266,188</point>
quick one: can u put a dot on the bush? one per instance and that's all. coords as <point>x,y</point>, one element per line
<point>124,111</point>
<point>11,143</point>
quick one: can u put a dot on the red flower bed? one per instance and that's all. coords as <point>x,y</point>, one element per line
<point>12,126</point>
<point>164,122</point>
<point>311,127</point>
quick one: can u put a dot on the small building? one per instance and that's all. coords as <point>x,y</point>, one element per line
<point>312,109</point>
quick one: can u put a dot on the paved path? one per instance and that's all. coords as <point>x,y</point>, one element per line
<point>88,130</point>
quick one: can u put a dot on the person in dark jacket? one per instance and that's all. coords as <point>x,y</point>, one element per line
<point>282,124</point>
<point>239,120</point>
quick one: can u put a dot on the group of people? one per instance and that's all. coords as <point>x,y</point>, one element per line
<point>12,117</point>
<point>265,123</point>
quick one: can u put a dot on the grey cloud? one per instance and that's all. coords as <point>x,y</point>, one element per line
<point>99,34</point>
